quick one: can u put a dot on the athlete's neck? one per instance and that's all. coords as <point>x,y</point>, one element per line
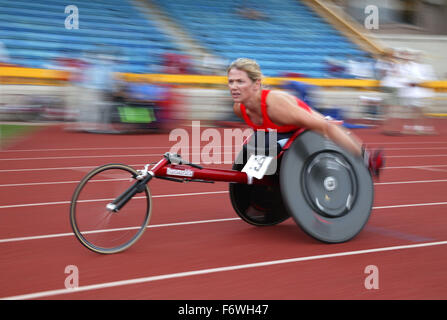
<point>254,101</point>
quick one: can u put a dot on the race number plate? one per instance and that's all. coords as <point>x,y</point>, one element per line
<point>257,166</point>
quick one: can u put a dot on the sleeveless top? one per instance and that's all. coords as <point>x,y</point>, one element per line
<point>266,122</point>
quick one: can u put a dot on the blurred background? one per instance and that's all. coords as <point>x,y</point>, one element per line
<point>119,66</point>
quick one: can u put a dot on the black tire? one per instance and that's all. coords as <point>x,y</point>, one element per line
<point>255,204</point>
<point>328,192</point>
<point>92,223</point>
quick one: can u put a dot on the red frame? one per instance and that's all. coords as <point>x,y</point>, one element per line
<point>202,174</point>
<point>191,173</point>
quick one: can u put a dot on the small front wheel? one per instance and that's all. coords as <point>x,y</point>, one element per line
<point>95,225</point>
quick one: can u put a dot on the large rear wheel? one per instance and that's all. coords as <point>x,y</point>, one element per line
<point>328,192</point>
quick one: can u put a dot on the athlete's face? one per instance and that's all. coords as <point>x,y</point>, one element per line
<point>241,86</point>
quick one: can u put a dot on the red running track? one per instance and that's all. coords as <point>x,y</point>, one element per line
<point>215,255</point>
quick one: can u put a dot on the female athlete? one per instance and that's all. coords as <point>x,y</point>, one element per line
<point>277,110</point>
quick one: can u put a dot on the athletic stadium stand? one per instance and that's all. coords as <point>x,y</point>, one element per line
<point>34,33</point>
<point>287,38</point>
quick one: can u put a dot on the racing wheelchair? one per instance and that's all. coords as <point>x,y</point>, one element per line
<point>328,192</point>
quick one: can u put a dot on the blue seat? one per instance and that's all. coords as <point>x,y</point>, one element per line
<point>293,38</point>
<point>292,34</point>
<point>34,32</point>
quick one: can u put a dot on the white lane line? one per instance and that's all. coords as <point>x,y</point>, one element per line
<point>416,167</point>
<point>69,234</point>
<point>81,168</point>
<point>125,148</point>
<point>84,157</point>
<point>77,181</point>
<point>228,146</point>
<point>56,168</point>
<point>190,194</point>
<point>407,142</point>
<point>112,156</point>
<point>433,169</point>
<point>192,273</point>
<point>195,222</point>
<point>411,205</point>
<point>407,182</point>
<point>96,200</point>
<point>90,157</point>
<point>184,155</point>
<point>416,148</point>
<point>418,156</point>
<point>55,182</point>
<point>84,149</point>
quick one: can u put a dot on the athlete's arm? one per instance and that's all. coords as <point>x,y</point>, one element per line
<point>282,109</point>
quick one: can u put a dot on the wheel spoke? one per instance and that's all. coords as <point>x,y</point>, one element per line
<point>100,229</point>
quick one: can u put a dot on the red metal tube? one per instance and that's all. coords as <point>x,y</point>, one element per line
<point>164,169</point>
<point>182,171</point>
<point>160,165</point>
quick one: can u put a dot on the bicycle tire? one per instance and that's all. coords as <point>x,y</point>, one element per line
<point>79,204</point>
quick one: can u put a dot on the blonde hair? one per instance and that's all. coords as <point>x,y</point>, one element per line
<point>250,66</point>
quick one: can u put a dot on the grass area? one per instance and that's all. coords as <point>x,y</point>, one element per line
<point>11,132</point>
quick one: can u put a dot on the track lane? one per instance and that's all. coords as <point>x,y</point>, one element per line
<point>189,247</point>
<point>172,207</point>
<point>327,280</point>
<point>410,160</point>
<point>28,217</point>
<point>234,243</point>
<point>73,174</point>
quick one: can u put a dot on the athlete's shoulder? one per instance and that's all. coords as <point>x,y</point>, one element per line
<point>279,95</point>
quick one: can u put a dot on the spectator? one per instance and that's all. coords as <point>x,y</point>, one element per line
<point>98,86</point>
<point>359,68</point>
<point>335,67</point>
<point>389,73</point>
<point>174,63</point>
<point>414,96</point>
<point>210,64</point>
<point>74,66</point>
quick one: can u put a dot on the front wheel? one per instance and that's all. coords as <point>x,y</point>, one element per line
<point>103,230</point>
